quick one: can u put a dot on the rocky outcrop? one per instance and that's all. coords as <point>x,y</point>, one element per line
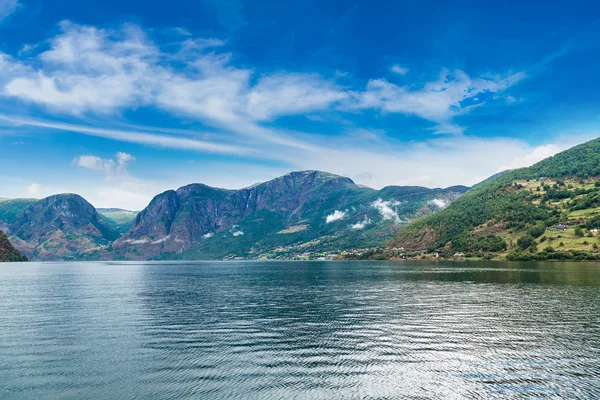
<point>7,251</point>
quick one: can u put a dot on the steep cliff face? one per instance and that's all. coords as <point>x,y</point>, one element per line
<point>7,251</point>
<point>197,221</point>
<point>59,227</point>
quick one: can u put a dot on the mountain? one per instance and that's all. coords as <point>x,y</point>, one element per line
<point>548,211</point>
<point>9,208</point>
<point>301,213</point>
<point>120,220</point>
<point>7,251</point>
<point>58,227</point>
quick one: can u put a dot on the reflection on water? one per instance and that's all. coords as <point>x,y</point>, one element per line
<point>305,330</point>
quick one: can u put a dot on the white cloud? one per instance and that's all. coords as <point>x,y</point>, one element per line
<point>118,184</point>
<point>34,190</point>
<point>537,154</point>
<point>102,71</point>
<point>89,162</point>
<point>133,136</point>
<point>386,210</point>
<point>437,101</point>
<point>361,224</point>
<point>110,167</point>
<point>182,31</point>
<point>335,216</point>
<point>439,203</point>
<point>238,233</point>
<point>7,7</point>
<point>286,94</point>
<point>161,240</point>
<point>208,235</point>
<point>398,69</point>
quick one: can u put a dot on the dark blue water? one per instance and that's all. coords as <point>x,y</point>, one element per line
<point>274,330</point>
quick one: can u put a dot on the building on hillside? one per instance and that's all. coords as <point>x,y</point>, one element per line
<point>459,254</point>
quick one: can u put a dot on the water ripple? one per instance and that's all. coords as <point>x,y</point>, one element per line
<point>299,330</point>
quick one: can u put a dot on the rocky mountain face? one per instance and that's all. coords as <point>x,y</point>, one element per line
<point>59,227</point>
<point>7,251</point>
<point>301,214</point>
<point>308,211</point>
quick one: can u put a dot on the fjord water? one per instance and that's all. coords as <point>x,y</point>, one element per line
<point>241,330</point>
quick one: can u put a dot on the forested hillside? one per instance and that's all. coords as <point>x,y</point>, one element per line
<point>548,211</point>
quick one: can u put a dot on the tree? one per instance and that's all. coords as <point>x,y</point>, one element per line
<point>579,232</point>
<point>525,241</point>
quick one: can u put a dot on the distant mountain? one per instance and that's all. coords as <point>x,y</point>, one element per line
<point>291,216</point>
<point>119,219</point>
<point>58,227</point>
<point>7,251</point>
<point>548,211</point>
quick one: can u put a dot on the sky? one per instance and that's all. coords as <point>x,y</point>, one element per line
<point>121,100</point>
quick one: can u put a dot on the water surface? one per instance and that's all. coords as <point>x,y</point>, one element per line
<point>270,330</point>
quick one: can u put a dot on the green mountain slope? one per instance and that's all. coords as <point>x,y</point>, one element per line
<point>547,211</point>
<point>301,214</point>
<point>7,251</point>
<point>9,208</point>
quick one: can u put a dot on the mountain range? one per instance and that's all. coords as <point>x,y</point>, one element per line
<point>304,214</point>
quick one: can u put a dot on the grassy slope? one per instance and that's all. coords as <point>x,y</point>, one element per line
<point>510,207</point>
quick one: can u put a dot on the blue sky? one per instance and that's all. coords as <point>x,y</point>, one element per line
<point>118,101</point>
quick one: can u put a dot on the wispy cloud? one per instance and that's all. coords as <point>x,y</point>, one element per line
<point>439,203</point>
<point>361,224</point>
<point>386,209</point>
<point>398,69</point>
<point>110,167</point>
<point>7,7</point>
<point>437,101</point>
<point>102,71</point>
<point>132,136</point>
